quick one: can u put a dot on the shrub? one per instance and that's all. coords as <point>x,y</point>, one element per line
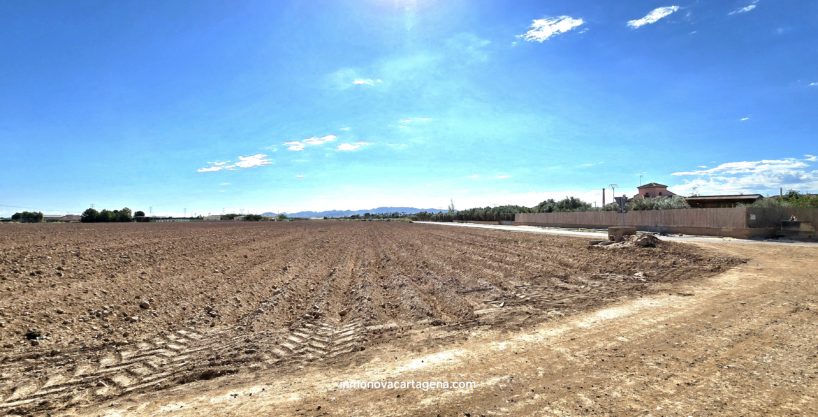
<point>566,204</point>
<point>795,199</point>
<point>658,203</point>
<point>770,203</point>
<point>28,217</point>
<point>611,207</point>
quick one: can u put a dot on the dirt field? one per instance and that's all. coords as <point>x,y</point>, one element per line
<point>740,343</point>
<point>92,315</point>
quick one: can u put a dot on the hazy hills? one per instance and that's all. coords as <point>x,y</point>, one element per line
<point>347,213</point>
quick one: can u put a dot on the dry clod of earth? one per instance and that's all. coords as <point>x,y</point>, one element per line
<point>645,240</point>
<point>145,307</point>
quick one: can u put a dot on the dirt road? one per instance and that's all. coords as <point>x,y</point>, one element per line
<point>735,343</point>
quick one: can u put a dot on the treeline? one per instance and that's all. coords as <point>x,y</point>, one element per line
<point>28,217</point>
<point>245,217</point>
<point>654,203</point>
<point>499,213</point>
<point>567,204</point>
<point>377,216</point>
<point>505,213</point>
<point>793,198</point>
<point>111,216</point>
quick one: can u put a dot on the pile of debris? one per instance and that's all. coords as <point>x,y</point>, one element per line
<point>645,240</point>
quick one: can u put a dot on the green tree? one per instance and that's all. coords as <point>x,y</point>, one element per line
<point>658,203</point>
<point>124,215</point>
<point>794,198</point>
<point>546,206</point>
<point>106,216</point>
<point>611,207</point>
<point>28,217</point>
<point>566,204</point>
<point>89,216</point>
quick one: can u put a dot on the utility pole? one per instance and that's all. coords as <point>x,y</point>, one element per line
<point>613,194</point>
<point>640,180</point>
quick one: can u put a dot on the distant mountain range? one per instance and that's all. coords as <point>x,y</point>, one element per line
<point>347,213</point>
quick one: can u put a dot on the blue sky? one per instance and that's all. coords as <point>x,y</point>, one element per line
<point>314,105</point>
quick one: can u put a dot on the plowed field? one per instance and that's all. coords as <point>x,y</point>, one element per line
<point>91,313</point>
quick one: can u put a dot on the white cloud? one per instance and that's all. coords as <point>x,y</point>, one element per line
<point>299,145</point>
<point>345,129</point>
<point>589,164</point>
<point>346,147</point>
<point>251,161</point>
<point>243,162</point>
<point>346,78</point>
<point>745,9</point>
<point>813,84</point>
<point>392,71</point>
<point>406,121</point>
<point>503,177</point>
<point>543,29</point>
<point>213,167</point>
<point>319,140</point>
<point>745,118</point>
<point>294,145</point>
<point>654,16</point>
<point>747,177</point>
<point>367,81</point>
<point>299,177</point>
<point>748,167</point>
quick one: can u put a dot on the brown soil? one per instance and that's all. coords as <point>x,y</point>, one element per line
<point>95,313</point>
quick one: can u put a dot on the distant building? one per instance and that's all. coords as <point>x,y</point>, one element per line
<point>652,190</point>
<point>212,218</point>
<point>722,201</point>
